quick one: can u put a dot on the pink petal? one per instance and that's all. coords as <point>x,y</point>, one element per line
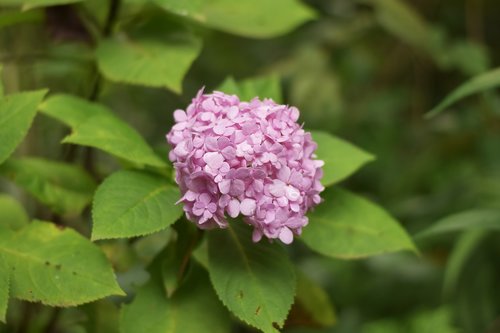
<point>277,188</point>
<point>224,186</point>
<point>233,209</point>
<point>213,159</point>
<point>286,235</point>
<point>248,206</point>
<point>180,116</point>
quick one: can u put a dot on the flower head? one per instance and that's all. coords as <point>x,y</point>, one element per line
<point>250,159</point>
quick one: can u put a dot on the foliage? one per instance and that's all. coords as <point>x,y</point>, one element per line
<point>405,240</point>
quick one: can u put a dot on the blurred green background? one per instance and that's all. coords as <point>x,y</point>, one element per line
<point>366,71</point>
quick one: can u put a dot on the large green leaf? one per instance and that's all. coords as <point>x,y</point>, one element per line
<point>27,4</point>
<point>255,281</point>
<point>484,219</point>
<point>348,226</point>
<point>65,188</point>
<point>485,81</point>
<point>16,115</point>
<point>158,55</point>
<point>95,126</point>
<point>341,158</point>
<point>12,214</point>
<point>193,308</point>
<point>133,203</point>
<point>4,286</point>
<point>262,87</point>
<point>56,266</point>
<point>251,18</point>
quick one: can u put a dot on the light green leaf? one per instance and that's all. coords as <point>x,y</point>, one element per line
<point>4,286</point>
<point>350,227</point>
<point>158,55</point>
<point>12,214</point>
<point>250,18</point>
<point>485,81</point>
<point>16,115</point>
<point>57,267</point>
<point>255,281</point>
<point>65,188</point>
<point>193,308</point>
<point>262,87</point>
<point>95,126</point>
<point>28,4</point>
<point>341,158</point>
<point>314,301</point>
<point>483,219</point>
<point>133,203</point>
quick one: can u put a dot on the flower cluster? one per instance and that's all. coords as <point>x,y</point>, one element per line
<point>245,158</point>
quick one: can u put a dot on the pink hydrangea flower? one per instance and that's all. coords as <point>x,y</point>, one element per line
<point>250,159</point>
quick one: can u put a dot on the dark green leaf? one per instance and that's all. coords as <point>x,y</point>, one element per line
<point>56,267</point>
<point>251,18</point>
<point>95,126</point>
<point>314,301</point>
<point>133,203</point>
<point>341,158</point>
<point>193,308</point>
<point>255,281</point>
<point>349,227</point>
<point>485,81</point>
<point>463,250</point>
<point>16,115</point>
<point>178,255</point>
<point>65,188</point>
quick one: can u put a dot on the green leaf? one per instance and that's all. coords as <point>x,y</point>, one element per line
<point>9,18</point>
<point>262,87</point>
<point>485,81</point>
<point>193,308</point>
<point>341,158</point>
<point>250,18</point>
<point>462,252</point>
<point>12,214</point>
<point>16,115</point>
<point>178,255</point>
<point>4,287</point>
<point>350,227</point>
<point>1,78</point>
<point>133,203</point>
<point>403,21</point>
<point>158,55</point>
<point>314,302</point>
<point>65,188</point>
<point>255,281</point>
<point>95,126</point>
<point>57,267</point>
<point>28,4</point>
<point>483,219</point>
